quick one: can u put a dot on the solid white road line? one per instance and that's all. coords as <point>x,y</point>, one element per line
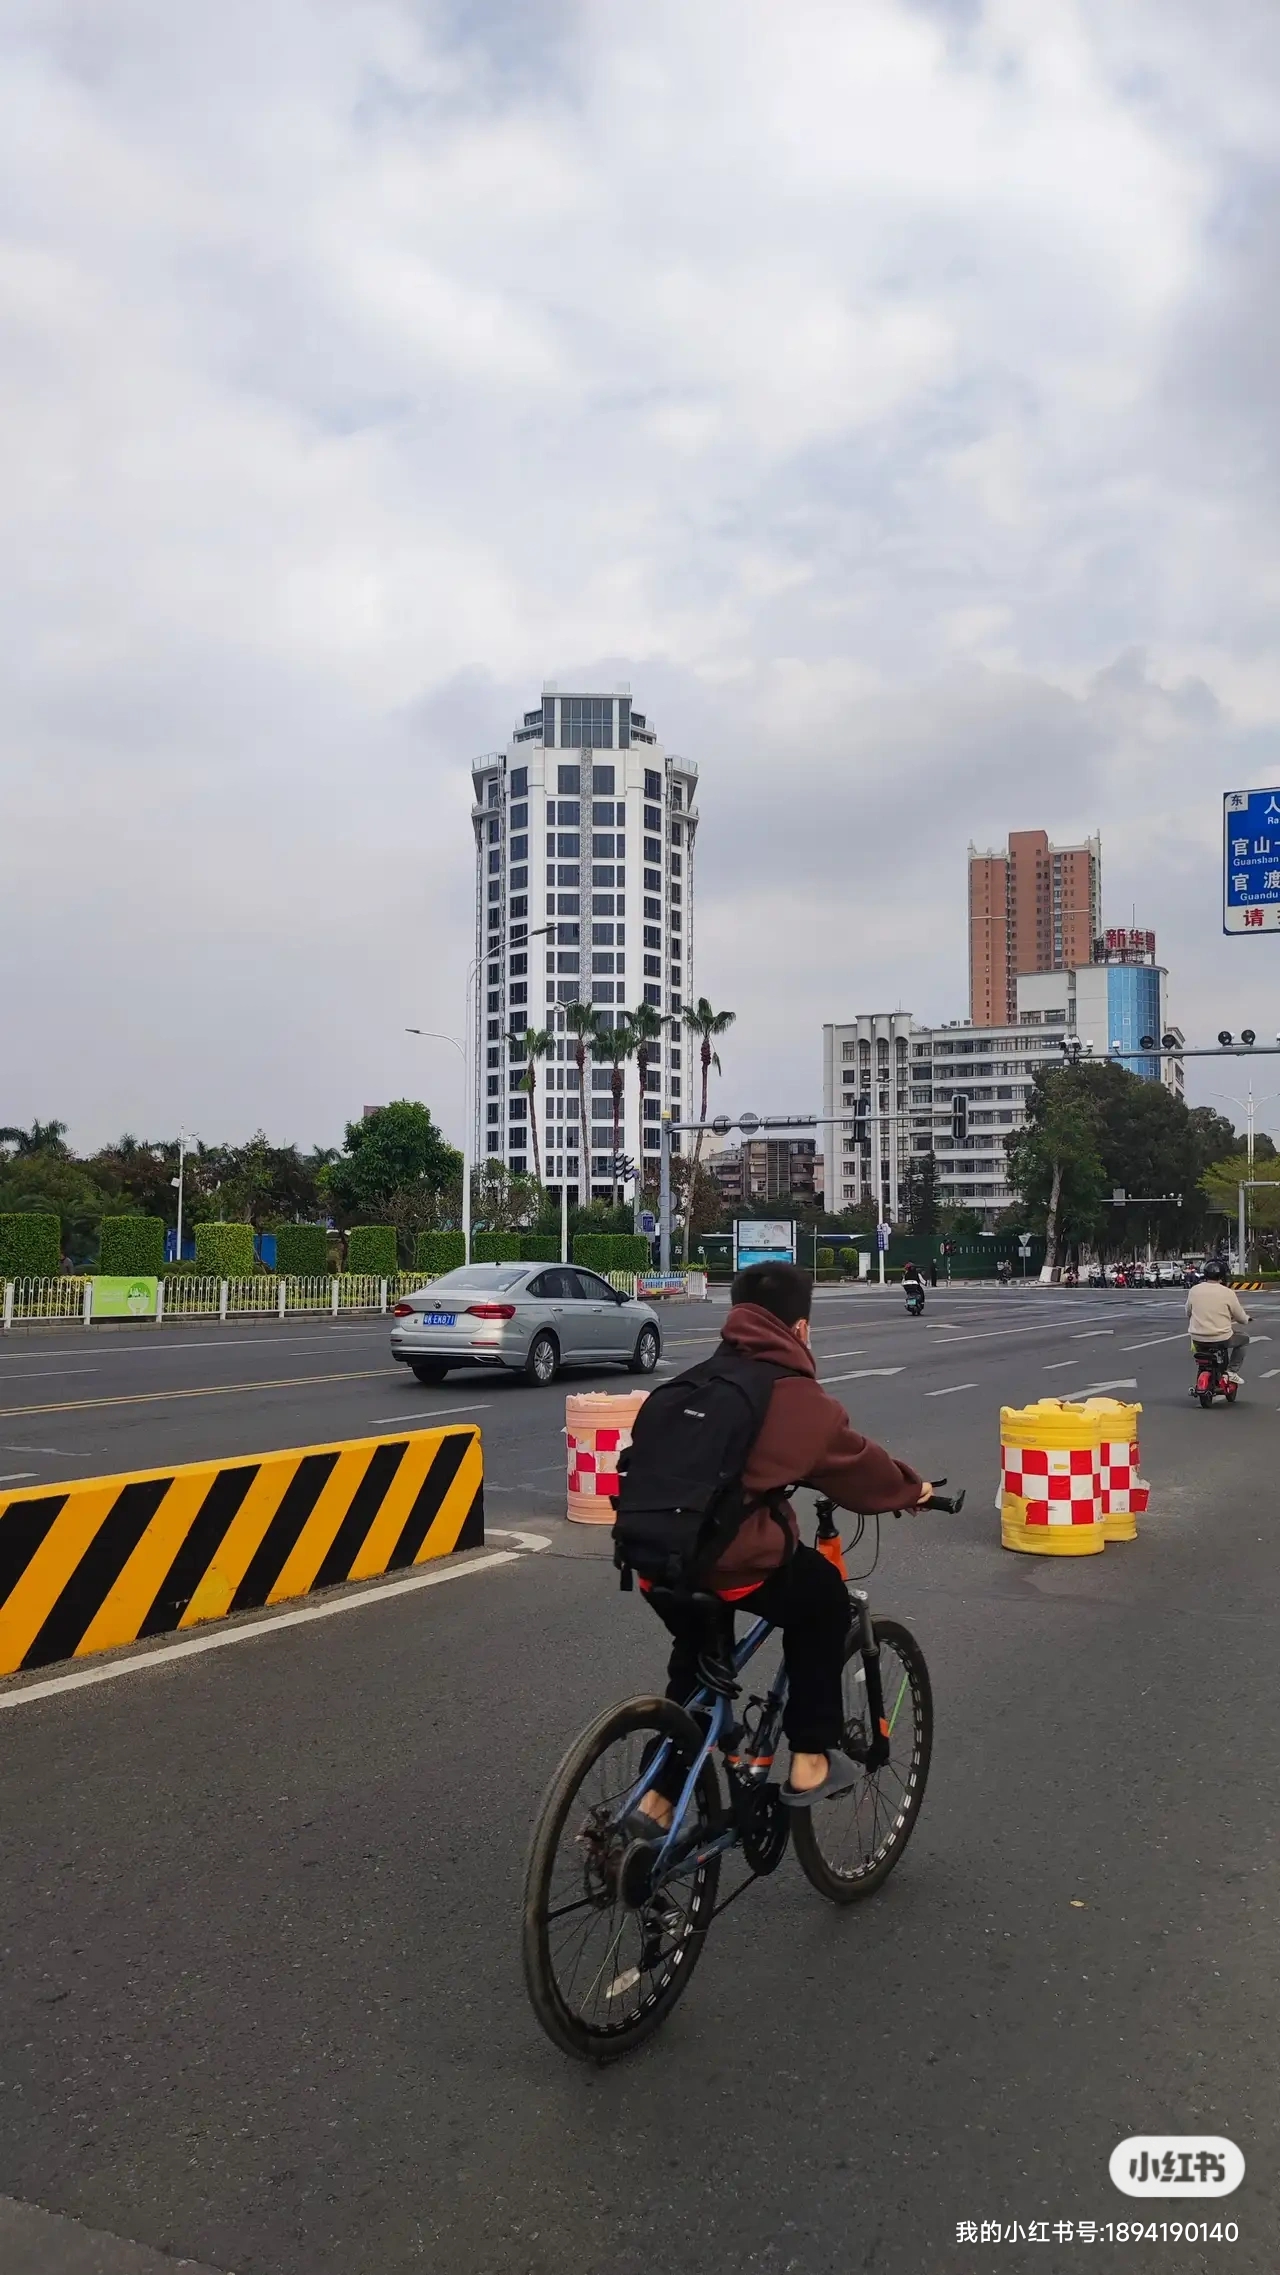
<point>33,1374</point>
<point>234,1341</point>
<point>859,1374</point>
<point>20,1476</point>
<point>423,1421</point>
<point>1152,1340</point>
<point>951,1388</point>
<point>1090,1332</point>
<point>1056,1365</point>
<point>303,1616</point>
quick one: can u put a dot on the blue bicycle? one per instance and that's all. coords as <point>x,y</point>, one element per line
<point>614,1925</point>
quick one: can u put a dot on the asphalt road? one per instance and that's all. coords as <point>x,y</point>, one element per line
<point>262,1999</point>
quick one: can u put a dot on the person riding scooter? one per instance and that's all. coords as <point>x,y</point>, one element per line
<point>1216,1318</point>
<point>913,1289</point>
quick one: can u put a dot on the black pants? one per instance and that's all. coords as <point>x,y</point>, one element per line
<point>808,1600</point>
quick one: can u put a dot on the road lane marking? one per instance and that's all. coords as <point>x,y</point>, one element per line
<point>1122,1382</point>
<point>20,1476</point>
<point>108,1348</point>
<point>1090,1332</point>
<point>225,1637</point>
<point>1152,1340</point>
<point>950,1389</point>
<point>859,1374</point>
<point>33,1374</point>
<point>424,1421</point>
<point>1055,1365</point>
<point>204,1390</point>
<point>840,1354</point>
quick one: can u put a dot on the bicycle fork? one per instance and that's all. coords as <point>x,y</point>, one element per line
<point>878,1750</point>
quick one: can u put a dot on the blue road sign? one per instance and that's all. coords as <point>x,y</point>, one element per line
<point>648,1223</point>
<point>1251,861</point>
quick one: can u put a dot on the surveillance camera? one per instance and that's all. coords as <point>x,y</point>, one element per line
<point>1224,1035</point>
<point>1247,1035</point>
<point>1089,1049</point>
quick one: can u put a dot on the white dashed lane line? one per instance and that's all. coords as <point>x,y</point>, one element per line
<point>951,1388</point>
<point>859,1374</point>
<point>1056,1364</point>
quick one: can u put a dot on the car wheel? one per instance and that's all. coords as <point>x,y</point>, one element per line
<point>428,1370</point>
<point>543,1363</point>
<point>644,1358</point>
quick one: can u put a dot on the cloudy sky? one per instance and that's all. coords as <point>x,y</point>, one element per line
<point>885,388</point>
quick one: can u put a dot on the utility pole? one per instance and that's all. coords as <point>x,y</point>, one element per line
<point>664,1193</point>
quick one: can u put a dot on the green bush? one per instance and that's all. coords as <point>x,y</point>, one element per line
<point>539,1247</point>
<point>131,1244</point>
<point>225,1251</point>
<point>372,1248</point>
<point>612,1251</point>
<point>495,1248</point>
<point>825,1259</point>
<point>30,1246</point>
<point>302,1251</point>
<point>438,1252</point>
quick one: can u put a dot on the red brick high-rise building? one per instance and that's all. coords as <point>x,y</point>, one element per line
<point>1036,908</point>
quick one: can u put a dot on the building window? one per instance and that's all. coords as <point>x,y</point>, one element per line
<point>653,995</point>
<point>519,848</point>
<point>602,848</point>
<point>677,868</point>
<point>653,880</point>
<point>520,775</point>
<point>495,891</point>
<point>566,876</point>
<point>602,991</point>
<point>602,936</point>
<point>624,722</point>
<point>677,833</point>
<point>602,963</point>
<point>653,819</point>
<point>495,863</point>
<point>652,936</point>
<point>677,794</point>
<point>653,849</point>
<point>601,876</point>
<point>566,963</point>
<point>519,880</point>
<point>569,781</point>
<point>586,722</point>
<point>520,992</point>
<point>519,966</point>
<point>519,817</point>
<point>602,904</point>
<point>602,781</point>
<point>568,904</point>
<point>495,831</point>
<point>653,967</point>
<point>652,783</point>
<point>677,896</point>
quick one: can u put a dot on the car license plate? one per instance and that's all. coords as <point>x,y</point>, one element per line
<point>439,1318</point>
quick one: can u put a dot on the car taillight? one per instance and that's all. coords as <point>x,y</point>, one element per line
<point>403,1311</point>
<point>491,1311</point>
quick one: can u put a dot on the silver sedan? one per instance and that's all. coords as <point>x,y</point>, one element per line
<point>531,1319</point>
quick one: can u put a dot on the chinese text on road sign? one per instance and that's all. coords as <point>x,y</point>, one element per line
<point>1251,861</point>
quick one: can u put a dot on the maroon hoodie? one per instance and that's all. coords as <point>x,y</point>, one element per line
<point>806,1437</point>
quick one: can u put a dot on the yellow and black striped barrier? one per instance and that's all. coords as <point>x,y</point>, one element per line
<point>107,1560</point>
<point>1254,1287</point>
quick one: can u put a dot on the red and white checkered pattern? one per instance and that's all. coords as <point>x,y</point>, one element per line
<point>1121,1492</point>
<point>593,1467</point>
<point>1057,1484</point>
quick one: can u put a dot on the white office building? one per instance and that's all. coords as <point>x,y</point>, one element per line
<point>910,1076</point>
<point>584,834</point>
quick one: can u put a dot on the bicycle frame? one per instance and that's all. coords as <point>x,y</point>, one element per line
<point>669,1859</point>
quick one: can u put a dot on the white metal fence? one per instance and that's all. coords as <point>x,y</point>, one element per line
<point>185,1296</point>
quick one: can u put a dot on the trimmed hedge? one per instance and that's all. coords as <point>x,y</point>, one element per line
<point>372,1248</point>
<point>302,1251</point>
<point>30,1246</point>
<point>131,1244</point>
<point>438,1252</point>
<point>225,1251</point>
<point>613,1251</point>
<point>496,1248</point>
<point>539,1248</point>
<point>825,1259</point>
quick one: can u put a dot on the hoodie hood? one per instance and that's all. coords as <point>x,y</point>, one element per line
<point>758,1335</point>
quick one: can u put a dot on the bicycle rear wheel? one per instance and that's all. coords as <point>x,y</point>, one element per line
<point>849,1846</point>
<point>603,1969</point>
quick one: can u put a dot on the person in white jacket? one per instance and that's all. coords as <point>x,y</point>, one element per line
<point>1215,1314</point>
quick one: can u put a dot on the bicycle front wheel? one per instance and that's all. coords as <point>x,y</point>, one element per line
<point>849,1846</point>
<point>604,1961</point>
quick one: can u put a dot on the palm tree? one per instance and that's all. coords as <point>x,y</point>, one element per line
<point>646,1025</point>
<point>705,1023</point>
<point>583,1022</point>
<point>538,1043</point>
<point>613,1045</point>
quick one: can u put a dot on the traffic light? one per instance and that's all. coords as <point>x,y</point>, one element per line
<point>624,1167</point>
<point>959,1118</point>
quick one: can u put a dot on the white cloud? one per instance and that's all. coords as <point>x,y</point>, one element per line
<point>868,386</point>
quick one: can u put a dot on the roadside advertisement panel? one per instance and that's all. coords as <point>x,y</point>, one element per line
<point>124,1297</point>
<point>765,1242</point>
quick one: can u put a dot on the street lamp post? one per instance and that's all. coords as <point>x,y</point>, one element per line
<point>468,1051</point>
<point>178,1181</point>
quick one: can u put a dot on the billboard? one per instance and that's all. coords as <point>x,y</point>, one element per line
<point>762,1242</point>
<point>118,1296</point>
<point>1251,861</point>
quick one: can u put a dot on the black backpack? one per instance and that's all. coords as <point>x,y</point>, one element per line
<point>680,1501</point>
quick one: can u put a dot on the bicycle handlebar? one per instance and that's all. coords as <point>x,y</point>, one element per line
<point>949,1503</point>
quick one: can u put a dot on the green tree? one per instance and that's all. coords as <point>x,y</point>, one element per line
<point>53,1184</point>
<point>396,1149</point>
<point>502,1200</point>
<point>920,1193</point>
<point>706,1024</point>
<point>583,1023</point>
<point>534,1044</point>
<point>42,1137</point>
<point>646,1026</point>
<point>613,1046</point>
<point>1055,1162</point>
<point>1221,1184</point>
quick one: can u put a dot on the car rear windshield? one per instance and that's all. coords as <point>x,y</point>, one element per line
<point>481,1276</point>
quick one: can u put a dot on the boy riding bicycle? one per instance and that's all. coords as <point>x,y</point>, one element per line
<point>765,1568</point>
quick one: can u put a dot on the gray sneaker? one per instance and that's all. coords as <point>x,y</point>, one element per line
<point>842,1776</point>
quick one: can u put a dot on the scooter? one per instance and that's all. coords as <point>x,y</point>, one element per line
<point>915,1298</point>
<point>1212,1380</point>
